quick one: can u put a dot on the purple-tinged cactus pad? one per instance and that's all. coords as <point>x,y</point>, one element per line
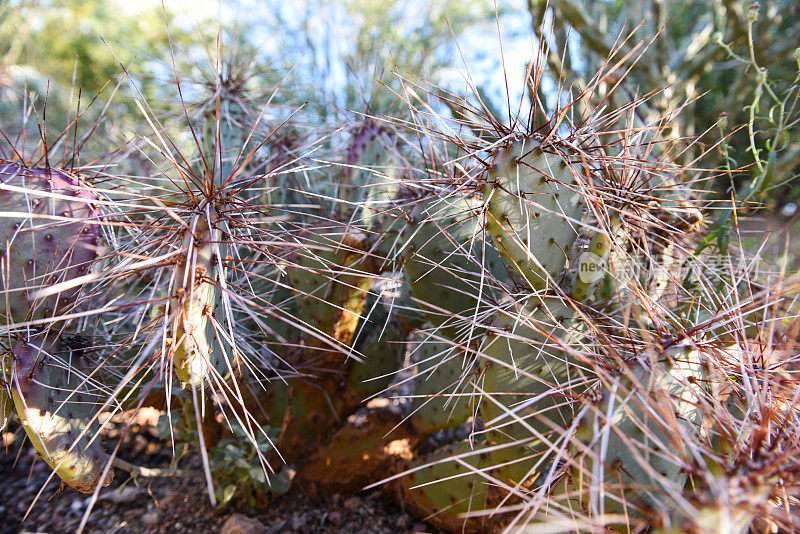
<point>49,235</point>
<point>55,406</point>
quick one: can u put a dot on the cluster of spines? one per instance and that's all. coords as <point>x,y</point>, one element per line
<point>57,410</point>
<point>533,385</point>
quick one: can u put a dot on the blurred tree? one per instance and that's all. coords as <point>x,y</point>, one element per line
<point>325,55</point>
<point>729,64</point>
<point>58,37</point>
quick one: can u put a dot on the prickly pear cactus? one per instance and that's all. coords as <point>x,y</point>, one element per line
<point>6,403</point>
<point>447,484</point>
<point>48,245</point>
<point>271,243</point>
<point>534,207</point>
<point>331,282</point>
<point>373,169</point>
<point>450,268</point>
<point>56,407</point>
<point>437,403</point>
<point>635,436</point>
<point>195,291</point>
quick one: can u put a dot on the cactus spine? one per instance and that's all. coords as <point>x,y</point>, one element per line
<point>637,432</point>
<point>534,207</point>
<point>508,331</point>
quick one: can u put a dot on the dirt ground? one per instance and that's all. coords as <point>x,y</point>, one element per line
<point>175,505</point>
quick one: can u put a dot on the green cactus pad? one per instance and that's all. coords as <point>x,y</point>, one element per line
<point>331,284</point>
<point>56,409</point>
<point>533,203</point>
<point>533,387</point>
<point>638,430</point>
<point>443,491</point>
<point>439,371</point>
<point>381,350</point>
<point>373,168</point>
<point>195,288</point>
<point>450,268</point>
<point>52,239</point>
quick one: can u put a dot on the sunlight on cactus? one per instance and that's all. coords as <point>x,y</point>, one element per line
<point>517,320</point>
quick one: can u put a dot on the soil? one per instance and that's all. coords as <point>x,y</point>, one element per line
<point>30,503</point>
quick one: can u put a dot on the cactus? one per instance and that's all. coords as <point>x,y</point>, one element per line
<point>6,402</point>
<point>194,288</point>
<point>48,245</point>
<point>528,361</point>
<point>330,299</point>
<point>635,438</point>
<point>450,268</point>
<point>55,407</point>
<point>274,281</point>
<point>526,376</point>
<point>380,344</point>
<point>438,378</point>
<point>373,166</point>
<point>534,206</point>
<point>441,489</point>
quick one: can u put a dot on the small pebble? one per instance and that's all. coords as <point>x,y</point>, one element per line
<point>241,524</point>
<point>277,527</point>
<point>150,519</point>
<point>335,518</point>
<point>298,521</point>
<point>403,522</point>
<point>352,503</point>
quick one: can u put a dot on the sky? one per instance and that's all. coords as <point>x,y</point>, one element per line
<point>482,61</point>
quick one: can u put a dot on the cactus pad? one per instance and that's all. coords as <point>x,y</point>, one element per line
<point>531,384</point>
<point>49,239</point>
<point>439,374</point>
<point>638,432</point>
<point>373,167</point>
<point>445,488</point>
<point>195,288</point>
<point>331,284</point>
<point>56,409</point>
<point>449,266</point>
<point>533,202</point>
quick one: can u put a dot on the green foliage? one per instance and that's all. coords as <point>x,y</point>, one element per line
<point>63,38</point>
<point>237,469</point>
